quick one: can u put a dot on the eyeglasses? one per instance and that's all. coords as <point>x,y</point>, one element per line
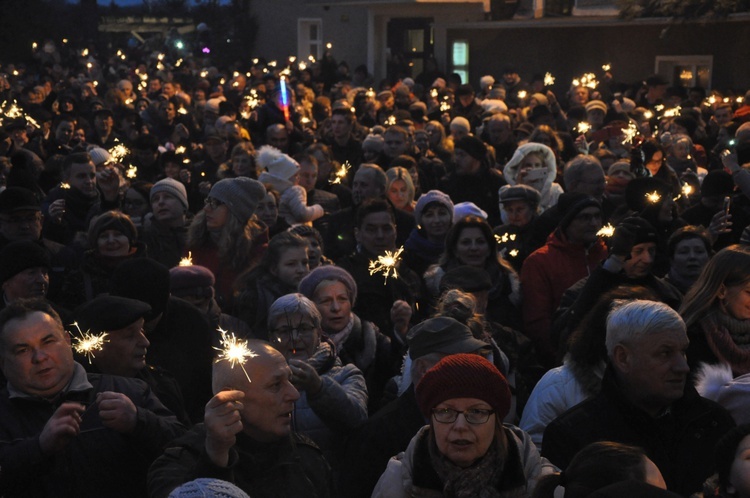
<point>22,220</point>
<point>302,331</point>
<point>474,416</point>
<point>213,203</point>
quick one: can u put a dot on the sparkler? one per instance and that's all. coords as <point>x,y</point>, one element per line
<point>392,119</point>
<point>501,239</point>
<point>187,261</point>
<point>132,172</point>
<point>583,127</point>
<point>671,113</point>
<point>587,80</point>
<point>433,93</point>
<point>302,66</point>
<point>445,106</point>
<point>87,344</point>
<point>653,197</point>
<point>386,264</point>
<point>329,46</point>
<point>119,152</point>
<point>180,150</point>
<point>648,114</point>
<point>233,350</point>
<point>522,94</point>
<point>606,231</point>
<point>340,174</point>
<point>549,80</point>
<point>182,110</point>
<point>513,253</point>
<point>687,189</point>
<point>85,52</point>
<point>65,186</point>
<point>630,132</point>
<point>606,67</point>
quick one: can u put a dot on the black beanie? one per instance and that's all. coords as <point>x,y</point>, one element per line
<point>570,204</point>
<point>472,146</point>
<point>20,255</point>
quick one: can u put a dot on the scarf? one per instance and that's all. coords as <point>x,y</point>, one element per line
<point>340,337</point>
<point>480,480</point>
<point>729,340</point>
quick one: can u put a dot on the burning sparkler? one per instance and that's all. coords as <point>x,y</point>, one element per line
<point>522,94</point>
<point>606,231</point>
<point>386,264</point>
<point>630,132</point>
<point>87,344</point>
<point>119,152</point>
<point>501,239</point>
<point>340,174</point>
<point>234,350</point>
<point>65,186</point>
<point>392,119</point>
<point>606,67</point>
<point>653,197</point>
<point>549,80</point>
<point>513,253</point>
<point>131,172</point>
<point>583,127</point>
<point>180,150</point>
<point>674,112</point>
<point>587,80</point>
<point>187,261</point>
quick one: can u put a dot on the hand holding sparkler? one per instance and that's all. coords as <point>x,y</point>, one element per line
<point>61,428</point>
<point>233,350</point>
<point>117,412</point>
<point>223,422</point>
<point>340,174</point>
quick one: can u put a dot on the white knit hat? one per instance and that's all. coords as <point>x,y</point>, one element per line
<point>276,162</point>
<point>99,155</point>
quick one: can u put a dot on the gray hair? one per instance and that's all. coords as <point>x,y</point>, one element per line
<point>375,171</point>
<point>293,303</point>
<point>499,117</point>
<point>576,168</point>
<point>631,320</point>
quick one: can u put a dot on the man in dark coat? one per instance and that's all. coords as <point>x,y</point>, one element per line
<point>247,437</point>
<point>65,433</point>
<point>645,401</point>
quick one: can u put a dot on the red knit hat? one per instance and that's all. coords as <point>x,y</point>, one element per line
<point>464,376</point>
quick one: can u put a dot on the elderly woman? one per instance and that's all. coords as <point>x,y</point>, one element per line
<point>333,397</point>
<point>465,450</point>
<point>516,237</point>
<point>358,342</point>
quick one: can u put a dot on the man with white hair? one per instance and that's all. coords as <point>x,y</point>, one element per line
<point>645,400</point>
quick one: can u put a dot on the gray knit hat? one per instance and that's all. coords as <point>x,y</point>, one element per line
<point>205,487</point>
<point>428,198</point>
<point>241,195</point>
<point>310,283</point>
<point>171,187</point>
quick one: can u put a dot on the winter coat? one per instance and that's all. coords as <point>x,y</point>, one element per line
<point>291,467</point>
<point>98,461</point>
<point>557,391</point>
<point>293,206</point>
<point>165,244</point>
<point>680,442</point>
<point>545,276</point>
<point>329,415</point>
<point>406,471</point>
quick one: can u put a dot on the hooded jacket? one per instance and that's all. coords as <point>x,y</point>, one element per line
<point>547,187</point>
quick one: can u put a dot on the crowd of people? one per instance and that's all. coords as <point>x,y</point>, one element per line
<point>285,280</point>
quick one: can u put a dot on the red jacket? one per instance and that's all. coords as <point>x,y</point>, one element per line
<point>546,274</point>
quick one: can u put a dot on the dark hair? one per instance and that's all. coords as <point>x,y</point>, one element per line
<point>688,232</point>
<point>75,158</point>
<point>22,307</point>
<point>371,206</point>
<point>648,148</point>
<point>112,220</point>
<point>449,258</point>
<point>594,467</point>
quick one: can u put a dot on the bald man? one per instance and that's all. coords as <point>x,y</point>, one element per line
<point>246,437</point>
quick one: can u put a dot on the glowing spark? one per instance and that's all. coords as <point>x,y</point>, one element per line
<point>434,93</point>
<point>653,197</point>
<point>65,186</point>
<point>15,72</point>
<point>304,120</point>
<point>329,46</point>
<point>187,261</point>
<point>143,76</point>
<point>630,132</point>
<point>160,57</point>
<point>340,174</point>
<point>235,84</point>
<point>391,120</point>
<point>65,40</point>
<point>386,264</point>
<point>272,64</point>
<point>687,189</point>
<point>671,113</point>
<point>180,150</point>
<point>222,81</point>
<point>370,94</point>
<point>182,110</point>
<point>178,63</point>
<point>88,343</point>
<point>549,80</point>
<point>522,94</point>
<point>34,46</point>
<point>252,101</point>
<point>648,114</point>
<point>132,172</point>
<point>659,107</point>
<point>583,127</point>
<point>292,59</point>
<point>234,350</point>
<point>203,173</point>
<point>712,99</point>
<point>85,52</point>
<point>513,253</point>
<point>606,231</point>
<point>255,60</point>
<point>302,66</point>
<point>311,58</point>
<point>739,100</point>
<point>445,106</point>
<point>606,67</point>
<point>204,73</point>
<point>726,99</point>
<point>502,239</point>
<point>119,152</point>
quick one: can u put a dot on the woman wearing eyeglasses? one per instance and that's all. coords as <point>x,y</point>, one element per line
<point>465,451</point>
<point>333,397</point>
<point>226,236</point>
